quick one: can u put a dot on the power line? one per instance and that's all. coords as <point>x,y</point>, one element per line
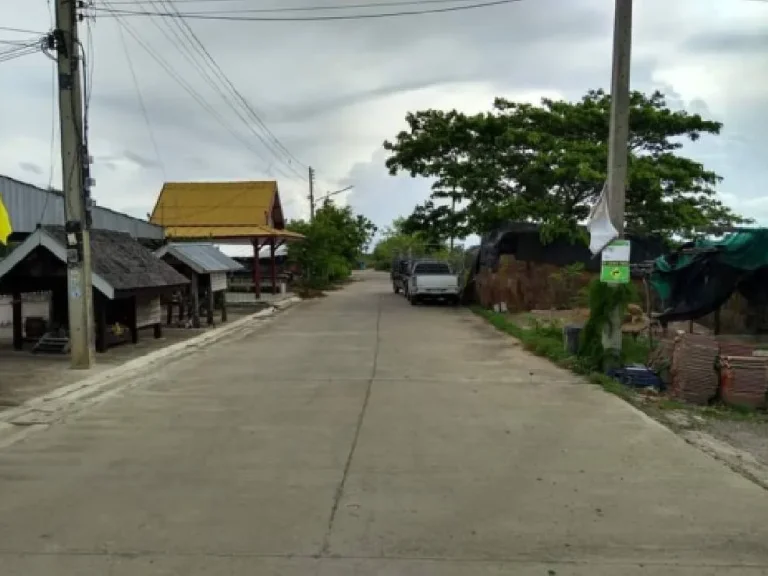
<point>280,148</point>
<point>21,30</point>
<point>321,8</point>
<point>140,98</point>
<point>186,38</point>
<point>196,96</point>
<point>18,52</point>
<point>19,42</point>
<point>231,15</point>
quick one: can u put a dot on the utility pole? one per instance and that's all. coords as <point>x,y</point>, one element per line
<point>453,217</point>
<point>311,194</point>
<point>617,142</point>
<point>74,163</point>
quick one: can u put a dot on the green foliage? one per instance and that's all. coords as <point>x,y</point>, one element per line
<point>603,299</point>
<point>436,224</point>
<point>400,239</point>
<point>334,243</point>
<point>547,164</point>
<point>546,340</point>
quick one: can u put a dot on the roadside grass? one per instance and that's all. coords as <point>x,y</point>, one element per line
<point>545,339</point>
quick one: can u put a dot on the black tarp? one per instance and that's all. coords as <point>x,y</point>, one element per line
<point>523,241</point>
<point>701,276</point>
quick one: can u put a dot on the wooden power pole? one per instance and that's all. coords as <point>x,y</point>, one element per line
<point>617,141</point>
<point>74,170</point>
<point>311,194</point>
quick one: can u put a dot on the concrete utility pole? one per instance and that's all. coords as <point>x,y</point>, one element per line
<point>453,216</point>
<point>617,140</point>
<point>311,194</point>
<point>74,164</point>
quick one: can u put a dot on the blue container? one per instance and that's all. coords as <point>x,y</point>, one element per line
<point>637,376</point>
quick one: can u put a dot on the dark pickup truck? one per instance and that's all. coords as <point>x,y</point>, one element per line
<point>399,274</point>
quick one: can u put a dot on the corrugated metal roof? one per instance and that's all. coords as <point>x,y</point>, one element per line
<point>29,206</point>
<point>213,204</point>
<point>222,233</point>
<point>203,258</point>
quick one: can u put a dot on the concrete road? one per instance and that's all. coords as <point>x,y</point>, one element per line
<point>358,435</point>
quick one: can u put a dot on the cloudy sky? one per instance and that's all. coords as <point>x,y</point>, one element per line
<point>332,91</point>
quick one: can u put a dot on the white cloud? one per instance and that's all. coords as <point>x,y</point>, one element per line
<point>332,92</point>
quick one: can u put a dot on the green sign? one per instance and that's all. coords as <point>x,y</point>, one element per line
<point>615,263</point>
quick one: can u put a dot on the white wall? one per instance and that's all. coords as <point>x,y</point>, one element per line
<point>32,305</point>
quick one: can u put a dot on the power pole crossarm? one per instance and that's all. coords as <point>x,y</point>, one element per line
<point>74,160</point>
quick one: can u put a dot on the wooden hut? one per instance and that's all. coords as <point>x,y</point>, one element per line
<point>207,269</point>
<point>128,282</point>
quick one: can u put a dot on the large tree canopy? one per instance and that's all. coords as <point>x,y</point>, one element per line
<point>547,164</point>
<point>436,224</point>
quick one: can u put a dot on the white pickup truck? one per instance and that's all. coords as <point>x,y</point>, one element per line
<point>432,280</point>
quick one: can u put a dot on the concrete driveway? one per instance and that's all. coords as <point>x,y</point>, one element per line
<point>358,435</point>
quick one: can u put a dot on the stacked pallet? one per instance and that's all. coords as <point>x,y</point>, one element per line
<point>526,286</point>
<point>693,375</point>
<point>744,381</point>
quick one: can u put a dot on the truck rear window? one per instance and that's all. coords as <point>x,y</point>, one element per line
<point>432,268</point>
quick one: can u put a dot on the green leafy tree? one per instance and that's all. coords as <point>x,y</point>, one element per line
<point>333,244</point>
<point>396,241</point>
<point>436,224</point>
<point>547,164</point>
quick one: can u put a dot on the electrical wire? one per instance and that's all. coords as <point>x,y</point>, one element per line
<point>320,8</point>
<point>21,30</point>
<point>18,52</point>
<point>18,42</point>
<point>142,106</point>
<point>185,85</point>
<point>185,39</point>
<point>275,147</point>
<point>232,15</point>
<point>180,42</point>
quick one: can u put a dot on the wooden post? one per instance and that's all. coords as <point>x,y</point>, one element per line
<point>195,312</point>
<point>134,320</point>
<point>211,301</point>
<point>18,321</point>
<point>272,267</point>
<point>100,310</point>
<point>256,269</point>
<point>158,332</point>
<point>224,306</point>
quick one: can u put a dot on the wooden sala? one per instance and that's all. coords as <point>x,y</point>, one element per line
<point>247,212</point>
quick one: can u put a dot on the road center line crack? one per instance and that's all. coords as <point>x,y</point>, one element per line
<point>324,550</point>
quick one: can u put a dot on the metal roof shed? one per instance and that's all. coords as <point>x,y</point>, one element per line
<point>128,280</point>
<point>207,269</point>
<point>30,206</point>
